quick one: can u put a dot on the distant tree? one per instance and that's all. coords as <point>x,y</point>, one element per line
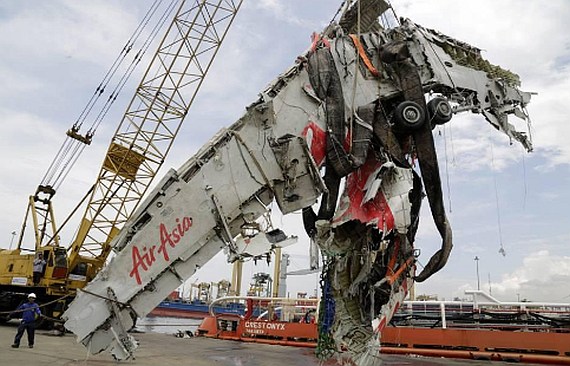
<point>424,297</point>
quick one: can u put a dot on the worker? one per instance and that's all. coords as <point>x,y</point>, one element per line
<point>30,312</point>
<point>309,317</point>
<point>38,269</point>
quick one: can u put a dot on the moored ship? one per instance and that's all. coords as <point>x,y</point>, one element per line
<point>483,328</point>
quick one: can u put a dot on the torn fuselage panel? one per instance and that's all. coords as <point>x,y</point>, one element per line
<point>377,194</point>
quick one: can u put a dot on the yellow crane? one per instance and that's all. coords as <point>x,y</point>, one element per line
<point>135,154</point>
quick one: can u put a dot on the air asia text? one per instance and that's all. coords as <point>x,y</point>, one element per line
<point>147,258</point>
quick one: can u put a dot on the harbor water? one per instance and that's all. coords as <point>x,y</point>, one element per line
<point>167,325</point>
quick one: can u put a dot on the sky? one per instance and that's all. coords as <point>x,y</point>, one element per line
<point>53,55</point>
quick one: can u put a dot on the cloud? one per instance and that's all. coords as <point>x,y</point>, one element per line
<point>59,51</point>
<point>471,147</point>
<point>84,31</point>
<point>280,11</point>
<point>286,12</point>
<point>542,277</point>
<point>514,37</point>
<point>273,5</point>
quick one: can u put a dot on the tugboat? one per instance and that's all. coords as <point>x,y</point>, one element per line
<point>281,321</point>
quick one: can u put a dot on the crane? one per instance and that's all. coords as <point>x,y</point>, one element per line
<point>135,154</point>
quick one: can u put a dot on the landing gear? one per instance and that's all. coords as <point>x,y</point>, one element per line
<point>408,116</point>
<point>439,111</point>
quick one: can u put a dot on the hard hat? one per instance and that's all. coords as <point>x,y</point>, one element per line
<point>32,295</point>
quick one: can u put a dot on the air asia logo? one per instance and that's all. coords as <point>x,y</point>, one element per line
<point>147,258</point>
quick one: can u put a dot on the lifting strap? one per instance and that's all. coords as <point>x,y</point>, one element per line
<point>373,70</point>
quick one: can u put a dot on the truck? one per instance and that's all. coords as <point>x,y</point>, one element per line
<point>354,113</point>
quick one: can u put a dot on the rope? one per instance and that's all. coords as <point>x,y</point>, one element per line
<point>524,177</point>
<point>39,306</point>
<point>71,148</point>
<point>239,143</point>
<point>501,249</point>
<point>447,180</point>
<point>442,64</point>
<point>453,161</point>
<point>63,150</point>
<point>340,8</point>
<point>104,297</point>
<point>67,166</point>
<point>117,63</point>
<point>394,13</point>
<point>70,166</point>
<point>357,49</point>
<point>130,69</point>
<point>55,320</point>
<point>362,53</point>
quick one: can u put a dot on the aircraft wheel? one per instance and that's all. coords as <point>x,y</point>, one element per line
<point>408,116</point>
<point>439,110</point>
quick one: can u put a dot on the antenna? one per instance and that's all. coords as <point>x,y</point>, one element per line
<point>476,259</point>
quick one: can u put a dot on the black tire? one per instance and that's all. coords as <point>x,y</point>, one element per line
<point>439,111</point>
<point>408,116</point>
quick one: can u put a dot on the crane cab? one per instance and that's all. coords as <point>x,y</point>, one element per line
<point>16,269</point>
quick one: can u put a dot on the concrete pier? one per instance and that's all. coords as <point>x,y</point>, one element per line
<point>165,350</point>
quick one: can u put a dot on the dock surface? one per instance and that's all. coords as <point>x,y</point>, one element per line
<point>163,349</point>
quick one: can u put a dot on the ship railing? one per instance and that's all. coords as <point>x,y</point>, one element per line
<point>486,312</point>
<point>271,308</point>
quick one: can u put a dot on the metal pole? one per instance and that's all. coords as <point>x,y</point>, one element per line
<point>236,277</point>
<point>442,312</point>
<point>12,240</point>
<point>277,272</point>
<point>478,281</point>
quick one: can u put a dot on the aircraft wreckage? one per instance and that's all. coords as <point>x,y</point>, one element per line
<point>359,107</point>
